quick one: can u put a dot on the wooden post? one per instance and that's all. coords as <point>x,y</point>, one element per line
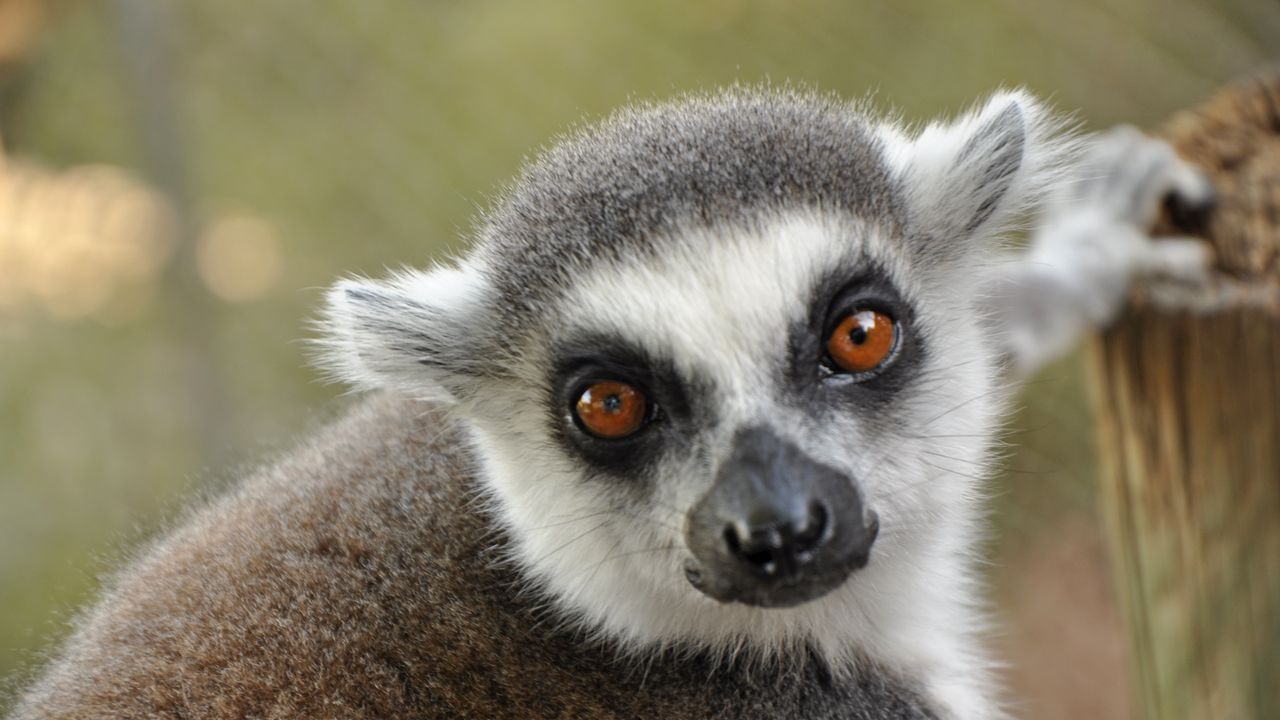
<point>1188,411</point>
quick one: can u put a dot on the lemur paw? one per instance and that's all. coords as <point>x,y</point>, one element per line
<point>1126,175</point>
<point>1096,228</point>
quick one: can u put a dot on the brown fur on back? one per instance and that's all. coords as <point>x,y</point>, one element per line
<point>357,578</point>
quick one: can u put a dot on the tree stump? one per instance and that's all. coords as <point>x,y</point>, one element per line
<point>1187,398</point>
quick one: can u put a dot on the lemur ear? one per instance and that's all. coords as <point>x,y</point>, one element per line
<point>413,332</point>
<point>964,180</point>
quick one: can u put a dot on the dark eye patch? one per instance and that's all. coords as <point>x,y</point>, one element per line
<point>597,357</point>
<point>833,299</point>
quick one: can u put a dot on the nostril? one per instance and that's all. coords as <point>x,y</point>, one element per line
<point>693,575</point>
<point>731,539</point>
<point>779,546</point>
<point>756,549</point>
<point>816,528</point>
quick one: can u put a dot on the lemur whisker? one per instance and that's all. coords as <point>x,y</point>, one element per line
<point>595,567</point>
<point>870,473</point>
<point>612,556</point>
<point>969,476</point>
<point>963,461</point>
<point>559,548</point>
<point>608,511</point>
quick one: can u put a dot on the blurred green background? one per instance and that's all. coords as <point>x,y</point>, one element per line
<point>181,177</point>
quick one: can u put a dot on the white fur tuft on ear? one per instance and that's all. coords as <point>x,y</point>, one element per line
<point>407,333</point>
<point>965,180</point>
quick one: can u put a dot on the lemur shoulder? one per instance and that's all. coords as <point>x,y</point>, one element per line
<point>697,429</point>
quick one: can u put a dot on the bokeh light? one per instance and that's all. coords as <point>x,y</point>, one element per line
<point>74,242</point>
<point>238,258</point>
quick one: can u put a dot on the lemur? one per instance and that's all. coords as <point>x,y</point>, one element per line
<point>698,429</point>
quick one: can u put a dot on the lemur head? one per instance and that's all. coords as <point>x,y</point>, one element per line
<point>723,362</point>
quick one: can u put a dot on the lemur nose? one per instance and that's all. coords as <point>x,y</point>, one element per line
<point>775,544</point>
<point>777,527</point>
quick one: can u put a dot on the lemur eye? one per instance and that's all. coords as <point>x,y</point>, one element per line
<point>611,410</point>
<point>863,341</point>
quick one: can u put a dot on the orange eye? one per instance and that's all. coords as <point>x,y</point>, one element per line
<point>611,410</point>
<point>862,341</point>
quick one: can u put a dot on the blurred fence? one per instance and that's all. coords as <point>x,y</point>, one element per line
<point>181,176</point>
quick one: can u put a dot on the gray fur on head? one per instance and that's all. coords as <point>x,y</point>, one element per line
<point>624,187</point>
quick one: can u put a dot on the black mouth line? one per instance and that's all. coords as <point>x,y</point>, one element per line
<point>767,599</point>
<point>787,594</point>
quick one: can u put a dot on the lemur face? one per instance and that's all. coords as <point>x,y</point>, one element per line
<point>742,389</point>
<point>721,359</point>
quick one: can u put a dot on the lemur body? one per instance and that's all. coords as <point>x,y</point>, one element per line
<point>698,430</point>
